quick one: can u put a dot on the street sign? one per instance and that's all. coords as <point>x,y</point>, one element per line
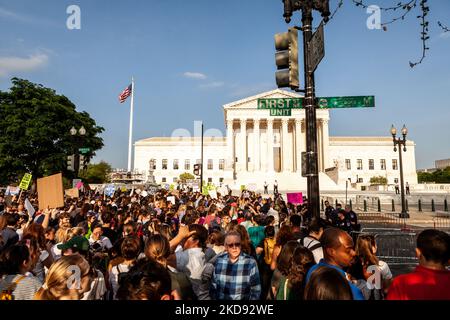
<point>280,112</point>
<point>346,102</point>
<point>84,150</point>
<point>25,183</point>
<point>280,103</point>
<point>316,48</point>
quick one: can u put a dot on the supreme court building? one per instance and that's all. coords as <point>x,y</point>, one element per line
<point>259,147</point>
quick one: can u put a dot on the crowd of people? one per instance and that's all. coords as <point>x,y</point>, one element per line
<point>178,245</point>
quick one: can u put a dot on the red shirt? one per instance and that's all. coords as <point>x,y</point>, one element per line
<point>422,284</point>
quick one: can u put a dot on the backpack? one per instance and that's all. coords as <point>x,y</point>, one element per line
<point>120,275</point>
<point>7,294</point>
<point>313,247</point>
<point>269,245</point>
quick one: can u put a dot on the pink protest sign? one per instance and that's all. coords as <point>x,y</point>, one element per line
<point>79,185</point>
<point>295,198</point>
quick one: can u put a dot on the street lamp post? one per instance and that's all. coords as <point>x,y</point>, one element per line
<point>81,132</point>
<point>307,7</point>
<point>401,142</point>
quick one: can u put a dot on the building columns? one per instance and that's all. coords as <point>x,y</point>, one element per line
<point>230,145</point>
<point>243,160</point>
<point>285,146</point>
<point>299,142</point>
<point>270,145</point>
<point>256,146</point>
<point>325,144</point>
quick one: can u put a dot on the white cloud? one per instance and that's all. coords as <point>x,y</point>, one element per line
<point>6,14</point>
<point>248,90</point>
<point>195,75</point>
<point>10,65</point>
<point>215,84</point>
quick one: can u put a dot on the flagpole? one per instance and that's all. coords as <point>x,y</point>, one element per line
<point>131,125</point>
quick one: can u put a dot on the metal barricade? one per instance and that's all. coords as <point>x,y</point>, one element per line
<point>396,247</point>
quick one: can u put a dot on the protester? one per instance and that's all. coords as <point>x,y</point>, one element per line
<point>292,285</point>
<point>431,279</point>
<point>312,240</point>
<point>236,275</point>
<point>327,284</point>
<point>338,251</point>
<point>17,283</point>
<point>283,266</point>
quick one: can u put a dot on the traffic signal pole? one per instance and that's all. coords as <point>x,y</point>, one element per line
<point>313,192</point>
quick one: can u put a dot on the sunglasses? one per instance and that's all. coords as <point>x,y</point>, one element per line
<point>233,245</point>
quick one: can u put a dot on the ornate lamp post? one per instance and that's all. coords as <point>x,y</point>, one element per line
<point>73,132</point>
<point>401,142</point>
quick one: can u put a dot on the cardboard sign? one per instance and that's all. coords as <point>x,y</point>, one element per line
<point>73,193</point>
<point>50,192</point>
<point>25,183</point>
<point>295,198</point>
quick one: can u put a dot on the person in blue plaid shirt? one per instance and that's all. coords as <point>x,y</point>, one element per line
<point>236,275</point>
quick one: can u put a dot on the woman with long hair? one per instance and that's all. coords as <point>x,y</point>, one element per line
<point>327,284</point>
<point>283,236</point>
<point>158,249</point>
<point>292,286</point>
<point>366,249</point>
<point>284,260</point>
<point>37,232</point>
<point>67,279</point>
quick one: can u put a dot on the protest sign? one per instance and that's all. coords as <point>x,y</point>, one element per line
<point>266,196</point>
<point>251,187</point>
<point>144,193</point>
<point>213,194</point>
<point>110,190</point>
<point>25,183</point>
<point>75,182</point>
<point>73,193</point>
<point>30,208</point>
<point>12,191</point>
<point>50,192</point>
<point>171,199</point>
<point>79,185</point>
<point>295,198</point>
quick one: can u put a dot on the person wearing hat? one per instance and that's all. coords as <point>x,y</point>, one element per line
<point>77,244</point>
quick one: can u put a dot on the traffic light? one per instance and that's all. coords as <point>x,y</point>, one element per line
<point>286,58</point>
<point>70,163</point>
<point>196,169</point>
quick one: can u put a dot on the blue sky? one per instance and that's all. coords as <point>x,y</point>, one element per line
<point>191,57</point>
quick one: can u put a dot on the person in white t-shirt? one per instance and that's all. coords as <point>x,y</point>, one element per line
<point>96,239</point>
<point>312,240</point>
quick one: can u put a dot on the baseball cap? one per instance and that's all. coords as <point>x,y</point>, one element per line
<point>78,242</point>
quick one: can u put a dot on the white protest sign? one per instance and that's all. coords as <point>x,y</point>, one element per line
<point>212,194</point>
<point>171,199</point>
<point>30,208</point>
<point>144,193</point>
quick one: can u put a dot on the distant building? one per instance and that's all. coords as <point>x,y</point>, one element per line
<point>442,164</point>
<point>260,148</point>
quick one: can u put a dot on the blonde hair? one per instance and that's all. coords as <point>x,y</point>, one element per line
<point>76,231</point>
<point>57,282</point>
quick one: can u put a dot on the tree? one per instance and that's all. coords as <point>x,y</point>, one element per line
<point>186,176</point>
<point>438,176</point>
<point>34,131</point>
<point>97,173</point>
<point>380,180</point>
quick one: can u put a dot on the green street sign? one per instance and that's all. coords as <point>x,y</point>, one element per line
<point>282,103</point>
<point>25,183</point>
<point>346,102</point>
<point>283,106</point>
<point>84,150</point>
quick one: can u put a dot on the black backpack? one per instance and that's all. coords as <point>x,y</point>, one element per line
<point>312,248</point>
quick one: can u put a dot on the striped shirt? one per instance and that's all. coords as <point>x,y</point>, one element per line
<point>24,290</point>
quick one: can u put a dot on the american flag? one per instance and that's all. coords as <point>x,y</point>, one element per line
<point>125,94</point>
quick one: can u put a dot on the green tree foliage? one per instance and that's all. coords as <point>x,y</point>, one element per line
<point>186,176</point>
<point>439,176</point>
<point>96,173</point>
<point>380,180</point>
<point>34,131</point>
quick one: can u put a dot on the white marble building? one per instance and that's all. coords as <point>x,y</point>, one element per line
<point>246,155</point>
